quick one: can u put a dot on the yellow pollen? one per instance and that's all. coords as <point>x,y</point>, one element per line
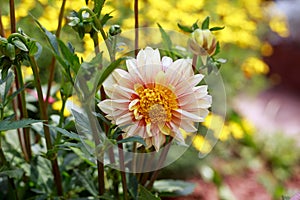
<point>155,104</point>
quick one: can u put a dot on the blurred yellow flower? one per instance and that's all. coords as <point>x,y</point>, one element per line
<point>253,65</point>
<point>215,123</point>
<point>26,72</point>
<point>57,105</point>
<point>236,130</point>
<point>224,130</point>
<point>248,126</point>
<point>278,24</point>
<point>201,144</point>
<point>225,133</point>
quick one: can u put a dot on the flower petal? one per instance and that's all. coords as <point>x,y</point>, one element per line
<point>189,115</point>
<point>124,120</point>
<point>149,64</point>
<point>133,71</point>
<point>166,62</point>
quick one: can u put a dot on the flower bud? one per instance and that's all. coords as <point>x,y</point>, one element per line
<point>115,30</point>
<point>203,42</point>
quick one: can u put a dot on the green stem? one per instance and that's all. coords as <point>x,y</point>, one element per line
<point>53,60</point>
<point>194,62</point>
<point>20,107</point>
<point>43,110</point>
<point>161,160</point>
<point>100,165</point>
<point>61,114</point>
<point>12,16</point>
<point>1,113</point>
<point>26,144</point>
<point>100,170</point>
<point>2,33</point>
<point>136,26</point>
<point>23,109</point>
<point>22,144</point>
<point>122,169</point>
<point>134,151</point>
<point>94,36</point>
<point>3,160</point>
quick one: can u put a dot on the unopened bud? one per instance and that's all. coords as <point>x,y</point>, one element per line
<point>115,30</point>
<point>203,42</point>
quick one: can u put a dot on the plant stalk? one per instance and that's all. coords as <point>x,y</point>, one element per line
<point>161,160</point>
<point>53,60</point>
<point>23,139</point>
<point>2,33</point>
<point>12,16</point>
<point>194,62</point>
<point>20,136</point>
<point>23,109</point>
<point>44,116</point>
<point>136,26</point>
<point>100,165</point>
<point>122,169</point>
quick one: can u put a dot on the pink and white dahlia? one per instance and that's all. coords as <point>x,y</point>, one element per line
<point>155,98</point>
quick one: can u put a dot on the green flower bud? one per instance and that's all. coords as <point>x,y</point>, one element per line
<point>115,30</point>
<point>203,42</point>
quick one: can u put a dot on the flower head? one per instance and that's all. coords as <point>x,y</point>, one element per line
<point>203,43</point>
<point>155,98</point>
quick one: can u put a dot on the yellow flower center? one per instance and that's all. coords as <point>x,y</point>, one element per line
<point>155,104</point>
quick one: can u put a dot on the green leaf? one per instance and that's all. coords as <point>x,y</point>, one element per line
<point>51,38</point>
<point>102,118</point>
<point>218,49</point>
<point>286,198</point>
<point>40,174</point>
<point>169,187</point>
<point>167,43</point>
<point>5,85</point>
<point>133,185</point>
<point>98,5</point>
<point>205,23</point>
<point>146,194</point>
<point>70,57</point>
<point>65,132</point>
<point>195,26</point>
<point>10,51</point>
<point>105,18</point>
<point>13,95</point>
<point>133,139</point>
<point>217,28</point>
<point>87,182</point>
<point>3,40</point>
<point>82,122</point>
<point>108,70</point>
<point>106,196</point>
<point>33,48</point>
<point>5,66</point>
<point>19,44</point>
<point>185,28</point>
<point>221,60</point>
<point>12,173</point>
<point>10,125</point>
<point>82,155</point>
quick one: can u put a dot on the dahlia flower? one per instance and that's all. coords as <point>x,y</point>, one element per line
<point>155,98</point>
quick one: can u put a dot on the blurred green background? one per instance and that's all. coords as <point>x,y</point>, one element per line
<point>257,156</point>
